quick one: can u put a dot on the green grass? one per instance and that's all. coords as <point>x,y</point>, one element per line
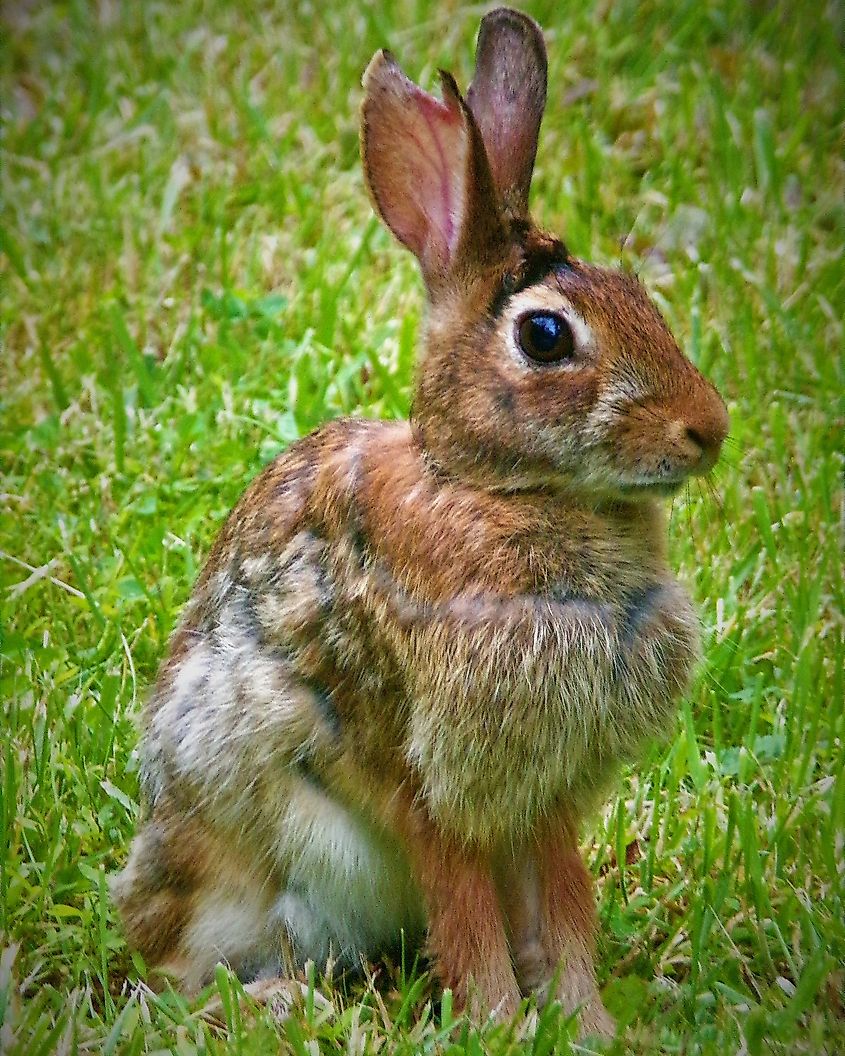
<point>192,277</point>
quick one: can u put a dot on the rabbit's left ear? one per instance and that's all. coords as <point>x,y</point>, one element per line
<point>507,98</point>
<point>427,171</point>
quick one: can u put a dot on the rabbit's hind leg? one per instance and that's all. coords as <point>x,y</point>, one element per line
<point>188,902</point>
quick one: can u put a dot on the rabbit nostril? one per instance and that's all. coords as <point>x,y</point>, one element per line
<point>706,439</point>
<point>696,437</point>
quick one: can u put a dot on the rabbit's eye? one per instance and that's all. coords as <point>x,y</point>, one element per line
<point>545,337</point>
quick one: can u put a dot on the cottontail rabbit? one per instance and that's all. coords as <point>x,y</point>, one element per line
<point>419,650</point>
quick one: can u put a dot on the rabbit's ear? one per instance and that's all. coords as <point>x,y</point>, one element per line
<point>507,98</point>
<point>427,170</point>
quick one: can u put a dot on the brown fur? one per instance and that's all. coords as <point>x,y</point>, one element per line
<point>548,904</point>
<point>467,939</point>
<point>419,651</point>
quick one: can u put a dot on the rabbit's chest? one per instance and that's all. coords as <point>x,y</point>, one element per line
<point>499,729</point>
<point>512,714</point>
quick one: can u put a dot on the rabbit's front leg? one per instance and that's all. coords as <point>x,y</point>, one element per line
<point>466,932</point>
<point>548,895</point>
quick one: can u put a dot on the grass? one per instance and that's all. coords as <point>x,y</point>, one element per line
<point>192,278</point>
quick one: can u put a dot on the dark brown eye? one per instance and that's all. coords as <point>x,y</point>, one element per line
<point>546,337</point>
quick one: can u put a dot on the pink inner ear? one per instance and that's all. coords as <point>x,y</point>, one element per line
<point>437,141</point>
<point>416,152</point>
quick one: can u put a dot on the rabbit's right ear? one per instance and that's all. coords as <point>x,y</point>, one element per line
<point>427,170</point>
<point>507,98</point>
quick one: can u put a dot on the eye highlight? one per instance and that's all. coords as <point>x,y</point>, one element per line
<point>545,337</point>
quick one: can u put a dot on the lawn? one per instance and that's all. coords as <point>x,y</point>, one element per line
<point>192,277</point>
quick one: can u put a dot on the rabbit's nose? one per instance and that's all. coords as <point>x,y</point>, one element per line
<point>703,434</point>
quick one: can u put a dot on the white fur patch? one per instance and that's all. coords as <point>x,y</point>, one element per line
<point>349,890</point>
<point>223,927</point>
<point>622,393</point>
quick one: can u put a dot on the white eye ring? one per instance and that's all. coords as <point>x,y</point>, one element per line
<point>540,300</point>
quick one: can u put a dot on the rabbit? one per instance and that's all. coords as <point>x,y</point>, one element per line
<point>420,651</point>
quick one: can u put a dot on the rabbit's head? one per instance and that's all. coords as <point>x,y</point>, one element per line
<point>539,369</point>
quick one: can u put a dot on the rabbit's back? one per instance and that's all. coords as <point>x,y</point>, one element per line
<point>269,654</point>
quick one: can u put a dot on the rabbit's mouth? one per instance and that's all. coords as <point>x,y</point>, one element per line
<point>665,488</point>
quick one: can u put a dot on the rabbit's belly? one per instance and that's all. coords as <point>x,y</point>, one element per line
<point>348,889</point>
